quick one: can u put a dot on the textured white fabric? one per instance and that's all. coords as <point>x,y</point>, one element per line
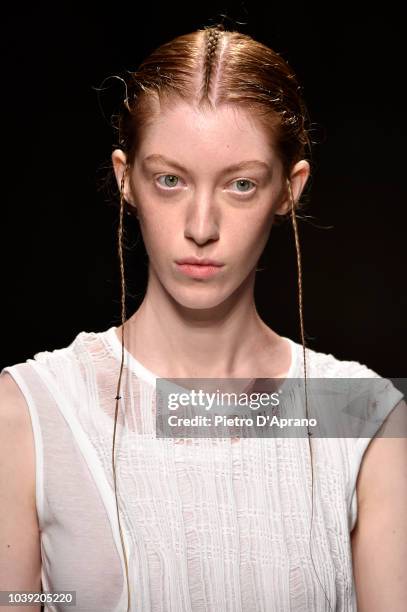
<point>209,525</point>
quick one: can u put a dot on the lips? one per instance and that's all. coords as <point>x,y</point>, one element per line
<point>198,268</point>
<point>195,261</point>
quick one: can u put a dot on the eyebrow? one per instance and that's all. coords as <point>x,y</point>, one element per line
<point>155,157</point>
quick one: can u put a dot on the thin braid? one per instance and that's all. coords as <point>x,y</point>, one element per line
<point>300,308</point>
<point>212,39</point>
<point>118,397</point>
<point>299,268</point>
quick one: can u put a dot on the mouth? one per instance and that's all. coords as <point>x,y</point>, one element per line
<point>198,270</point>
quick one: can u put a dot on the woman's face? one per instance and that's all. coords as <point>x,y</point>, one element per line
<point>206,184</point>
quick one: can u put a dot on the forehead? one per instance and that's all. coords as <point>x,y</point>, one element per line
<point>225,134</point>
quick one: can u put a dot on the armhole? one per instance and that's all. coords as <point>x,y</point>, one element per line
<point>38,444</point>
<point>357,457</point>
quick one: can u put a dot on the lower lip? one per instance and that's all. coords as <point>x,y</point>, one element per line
<point>198,271</point>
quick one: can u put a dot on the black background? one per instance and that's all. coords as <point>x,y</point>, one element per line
<point>58,232</point>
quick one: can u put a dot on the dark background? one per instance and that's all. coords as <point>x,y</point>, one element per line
<point>58,232</point>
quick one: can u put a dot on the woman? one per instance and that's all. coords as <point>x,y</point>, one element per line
<point>213,137</point>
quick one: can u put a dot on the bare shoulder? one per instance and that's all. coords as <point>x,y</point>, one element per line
<point>20,563</point>
<point>12,401</point>
<point>16,435</point>
<point>379,540</point>
<point>383,464</point>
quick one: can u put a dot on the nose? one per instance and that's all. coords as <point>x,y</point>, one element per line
<point>202,219</point>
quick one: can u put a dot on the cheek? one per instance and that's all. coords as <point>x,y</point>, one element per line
<point>251,234</point>
<point>158,237</point>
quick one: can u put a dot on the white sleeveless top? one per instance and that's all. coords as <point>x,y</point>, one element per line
<point>208,525</point>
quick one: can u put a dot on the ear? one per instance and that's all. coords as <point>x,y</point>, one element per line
<point>119,162</point>
<point>298,178</point>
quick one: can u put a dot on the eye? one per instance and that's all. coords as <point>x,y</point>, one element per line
<point>170,180</point>
<point>244,185</point>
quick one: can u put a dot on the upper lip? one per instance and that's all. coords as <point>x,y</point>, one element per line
<point>203,261</point>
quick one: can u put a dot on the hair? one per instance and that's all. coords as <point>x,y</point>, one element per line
<point>208,68</point>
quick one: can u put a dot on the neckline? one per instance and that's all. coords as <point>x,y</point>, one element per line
<point>147,375</point>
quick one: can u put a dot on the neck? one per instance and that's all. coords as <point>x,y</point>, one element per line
<point>228,340</point>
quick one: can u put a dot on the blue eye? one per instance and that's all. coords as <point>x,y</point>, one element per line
<point>245,184</point>
<point>170,180</point>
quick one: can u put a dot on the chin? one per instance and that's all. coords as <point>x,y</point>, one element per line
<point>200,298</point>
